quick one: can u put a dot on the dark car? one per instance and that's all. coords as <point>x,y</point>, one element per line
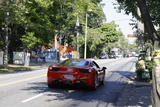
<point>103,56</point>
<point>76,71</point>
<point>112,55</point>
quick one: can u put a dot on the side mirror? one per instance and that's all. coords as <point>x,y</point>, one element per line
<point>104,68</point>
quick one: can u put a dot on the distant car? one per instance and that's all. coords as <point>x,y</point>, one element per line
<point>112,55</point>
<point>104,56</point>
<point>119,56</point>
<point>76,72</point>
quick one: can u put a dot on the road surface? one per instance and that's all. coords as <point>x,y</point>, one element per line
<point>29,89</point>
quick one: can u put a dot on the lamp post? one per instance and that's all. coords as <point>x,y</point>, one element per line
<point>86,33</point>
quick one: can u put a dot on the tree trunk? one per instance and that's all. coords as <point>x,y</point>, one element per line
<point>149,27</point>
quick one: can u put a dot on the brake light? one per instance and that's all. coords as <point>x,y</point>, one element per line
<point>76,72</point>
<point>50,68</point>
<point>53,69</point>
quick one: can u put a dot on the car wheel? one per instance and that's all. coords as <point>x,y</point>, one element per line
<point>50,86</point>
<point>102,82</point>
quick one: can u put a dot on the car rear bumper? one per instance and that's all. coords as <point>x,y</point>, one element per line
<point>87,82</point>
<point>80,83</point>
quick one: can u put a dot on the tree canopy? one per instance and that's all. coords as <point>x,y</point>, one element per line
<point>34,23</point>
<point>149,15</point>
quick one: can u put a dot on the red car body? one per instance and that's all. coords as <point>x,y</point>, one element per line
<point>76,71</point>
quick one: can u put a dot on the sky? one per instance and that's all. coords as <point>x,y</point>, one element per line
<point>120,19</point>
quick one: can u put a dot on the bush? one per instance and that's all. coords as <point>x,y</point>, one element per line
<point>144,69</point>
<point>149,65</point>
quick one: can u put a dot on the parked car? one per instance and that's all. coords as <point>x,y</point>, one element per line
<point>103,56</point>
<point>112,55</point>
<point>119,56</point>
<point>76,72</point>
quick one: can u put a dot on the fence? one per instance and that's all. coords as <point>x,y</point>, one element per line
<point>18,57</point>
<point>48,55</point>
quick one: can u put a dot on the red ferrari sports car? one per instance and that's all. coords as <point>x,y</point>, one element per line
<point>76,71</point>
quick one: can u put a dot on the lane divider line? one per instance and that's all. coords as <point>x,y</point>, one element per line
<point>23,80</point>
<point>32,98</point>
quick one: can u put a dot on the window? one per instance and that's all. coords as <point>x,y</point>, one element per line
<point>95,65</point>
<point>75,63</point>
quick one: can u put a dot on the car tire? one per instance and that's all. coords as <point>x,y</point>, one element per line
<point>50,86</point>
<point>102,82</point>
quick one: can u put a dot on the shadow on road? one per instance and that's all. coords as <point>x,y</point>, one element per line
<point>107,93</point>
<point>135,93</point>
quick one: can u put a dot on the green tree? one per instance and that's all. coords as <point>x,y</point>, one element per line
<point>104,36</point>
<point>57,15</point>
<point>38,21</point>
<point>149,15</point>
<point>30,41</point>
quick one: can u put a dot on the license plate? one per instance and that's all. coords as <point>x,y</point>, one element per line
<point>68,77</point>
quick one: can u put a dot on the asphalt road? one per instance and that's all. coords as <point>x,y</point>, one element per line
<point>29,89</point>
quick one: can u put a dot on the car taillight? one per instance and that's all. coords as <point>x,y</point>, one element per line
<point>76,72</point>
<point>53,69</point>
<point>50,68</point>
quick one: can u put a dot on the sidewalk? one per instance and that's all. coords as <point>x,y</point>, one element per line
<point>12,68</point>
<point>135,94</point>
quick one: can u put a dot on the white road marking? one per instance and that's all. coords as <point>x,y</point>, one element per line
<point>32,98</point>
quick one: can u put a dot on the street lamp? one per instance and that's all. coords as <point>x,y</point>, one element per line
<point>86,32</point>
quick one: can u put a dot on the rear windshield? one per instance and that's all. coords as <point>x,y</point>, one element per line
<point>74,63</point>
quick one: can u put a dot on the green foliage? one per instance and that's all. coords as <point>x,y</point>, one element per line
<point>144,64</point>
<point>149,65</point>
<point>140,65</point>
<point>1,43</point>
<point>103,37</point>
<point>144,69</point>
<point>130,6</point>
<point>35,22</point>
<point>45,16</point>
<point>30,41</point>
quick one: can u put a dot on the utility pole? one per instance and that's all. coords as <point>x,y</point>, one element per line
<point>86,31</point>
<point>77,28</point>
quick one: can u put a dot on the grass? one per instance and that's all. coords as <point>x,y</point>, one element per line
<point>13,67</point>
